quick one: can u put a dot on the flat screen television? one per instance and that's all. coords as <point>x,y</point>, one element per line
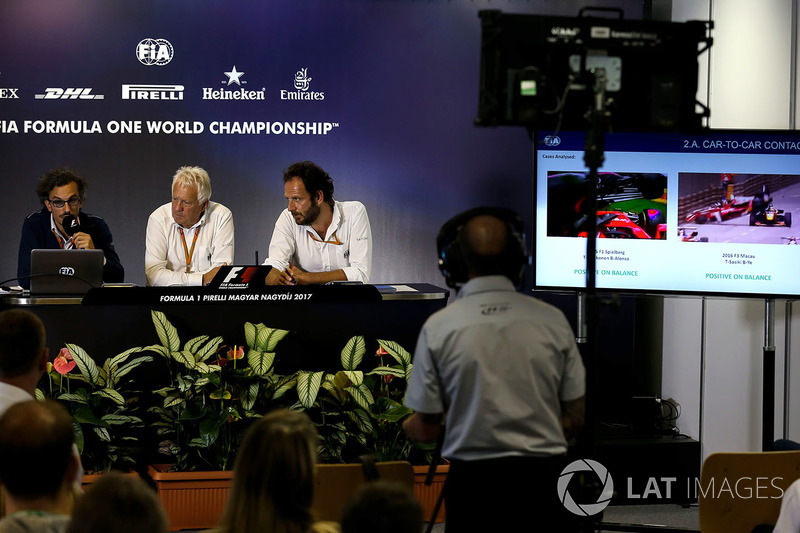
<point>707,213</point>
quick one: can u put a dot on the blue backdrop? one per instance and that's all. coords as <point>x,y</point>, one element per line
<point>396,83</point>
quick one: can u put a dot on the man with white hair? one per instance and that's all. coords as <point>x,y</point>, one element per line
<point>189,239</point>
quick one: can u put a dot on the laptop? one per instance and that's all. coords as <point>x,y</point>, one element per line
<point>65,272</point>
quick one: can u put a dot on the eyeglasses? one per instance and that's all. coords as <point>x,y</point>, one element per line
<point>334,238</point>
<point>58,202</point>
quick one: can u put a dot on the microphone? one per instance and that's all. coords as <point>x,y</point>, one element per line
<point>71,225</point>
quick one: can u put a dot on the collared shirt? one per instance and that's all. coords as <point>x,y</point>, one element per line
<point>303,247</point>
<point>165,256</point>
<point>499,364</point>
<point>10,394</point>
<point>65,242</point>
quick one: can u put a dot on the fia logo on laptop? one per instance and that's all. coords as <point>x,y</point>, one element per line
<point>66,271</point>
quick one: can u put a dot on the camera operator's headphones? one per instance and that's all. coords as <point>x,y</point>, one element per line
<point>451,257</point>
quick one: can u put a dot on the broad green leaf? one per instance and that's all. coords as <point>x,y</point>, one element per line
<point>113,362</point>
<point>85,364</point>
<point>220,394</point>
<point>111,394</point>
<point>194,344</point>
<point>260,362</point>
<point>308,385</point>
<point>39,395</point>
<point>398,352</point>
<point>84,415</point>
<point>356,377</point>
<point>387,371</point>
<point>362,395</point>
<point>268,338</point>
<point>283,386</point>
<point>250,335</point>
<point>102,433</point>
<point>172,401</point>
<point>208,350</point>
<point>390,410</point>
<point>71,397</point>
<point>127,367</point>
<point>353,353</point>
<point>249,396</point>
<point>362,419</point>
<point>78,435</point>
<point>167,333</point>
<point>185,358</point>
<point>115,420</point>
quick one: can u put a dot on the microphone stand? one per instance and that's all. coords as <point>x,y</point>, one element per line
<point>588,305</point>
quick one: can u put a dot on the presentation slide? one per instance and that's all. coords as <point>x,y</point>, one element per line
<point>698,214</point>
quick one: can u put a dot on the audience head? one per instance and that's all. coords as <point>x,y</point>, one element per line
<point>118,503</point>
<point>489,247</point>
<point>382,506</point>
<point>36,449</point>
<point>314,179</point>
<point>22,344</point>
<point>273,480</point>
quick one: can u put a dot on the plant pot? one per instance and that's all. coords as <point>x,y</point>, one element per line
<point>192,500</point>
<point>88,479</point>
<point>429,494</point>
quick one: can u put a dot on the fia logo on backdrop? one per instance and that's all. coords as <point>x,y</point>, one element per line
<point>156,52</point>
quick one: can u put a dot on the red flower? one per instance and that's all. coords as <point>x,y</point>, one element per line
<point>233,353</point>
<point>388,378</point>
<point>63,362</point>
<point>381,352</point>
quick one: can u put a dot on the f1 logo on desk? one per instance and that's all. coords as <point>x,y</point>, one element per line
<point>66,271</point>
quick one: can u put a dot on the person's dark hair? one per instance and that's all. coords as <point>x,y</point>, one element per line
<point>382,506</point>
<point>58,177</point>
<point>36,448</point>
<point>118,503</point>
<point>314,179</point>
<point>490,254</point>
<point>273,478</point>
<point>22,341</point>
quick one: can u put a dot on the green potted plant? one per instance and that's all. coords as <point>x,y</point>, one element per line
<point>104,403</point>
<point>215,391</point>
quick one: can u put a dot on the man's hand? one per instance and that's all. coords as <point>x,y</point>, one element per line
<point>423,427</point>
<point>83,241</point>
<point>208,276</point>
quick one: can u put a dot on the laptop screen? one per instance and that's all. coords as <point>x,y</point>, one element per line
<point>66,271</point>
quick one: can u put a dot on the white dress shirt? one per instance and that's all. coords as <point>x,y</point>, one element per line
<point>294,243</point>
<point>165,256</point>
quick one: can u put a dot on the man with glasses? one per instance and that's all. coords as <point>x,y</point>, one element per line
<point>190,238</point>
<point>62,192</point>
<point>317,239</point>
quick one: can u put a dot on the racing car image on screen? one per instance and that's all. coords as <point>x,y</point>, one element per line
<point>618,225</point>
<point>720,211</point>
<point>769,216</point>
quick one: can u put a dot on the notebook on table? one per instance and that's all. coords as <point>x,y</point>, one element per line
<point>65,272</point>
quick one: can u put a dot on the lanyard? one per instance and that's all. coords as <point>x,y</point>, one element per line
<point>61,242</point>
<point>187,252</point>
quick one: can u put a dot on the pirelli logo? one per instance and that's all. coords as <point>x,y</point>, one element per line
<point>152,92</point>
